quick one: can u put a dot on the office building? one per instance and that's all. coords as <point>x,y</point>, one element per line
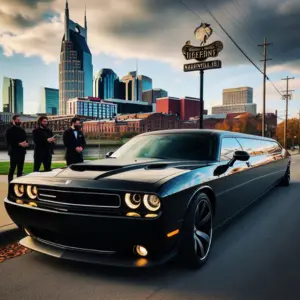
<point>144,84</point>
<point>75,68</point>
<point>12,95</point>
<point>127,107</point>
<point>91,107</point>
<point>241,95</point>
<point>150,96</point>
<point>236,100</point>
<point>235,108</point>
<point>49,101</point>
<point>136,85</point>
<point>107,85</point>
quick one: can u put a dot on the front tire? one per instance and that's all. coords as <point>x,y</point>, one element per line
<point>197,232</point>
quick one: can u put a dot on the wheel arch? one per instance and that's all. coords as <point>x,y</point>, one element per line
<point>210,194</point>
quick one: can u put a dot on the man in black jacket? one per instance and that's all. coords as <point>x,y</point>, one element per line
<point>75,142</point>
<point>16,140</point>
<point>43,145</point>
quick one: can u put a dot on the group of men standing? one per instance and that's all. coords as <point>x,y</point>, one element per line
<point>44,142</point>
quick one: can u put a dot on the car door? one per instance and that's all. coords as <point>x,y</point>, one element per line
<point>234,192</point>
<point>266,162</point>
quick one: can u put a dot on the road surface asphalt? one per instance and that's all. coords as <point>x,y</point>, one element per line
<point>257,256</point>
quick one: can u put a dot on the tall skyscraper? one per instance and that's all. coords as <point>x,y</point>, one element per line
<point>144,84</point>
<point>12,95</point>
<point>75,68</point>
<point>107,85</point>
<point>49,101</point>
<point>136,85</point>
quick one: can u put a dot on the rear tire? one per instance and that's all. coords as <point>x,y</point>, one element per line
<point>197,233</point>
<point>286,180</point>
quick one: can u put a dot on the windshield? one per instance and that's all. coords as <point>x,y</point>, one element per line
<point>186,146</point>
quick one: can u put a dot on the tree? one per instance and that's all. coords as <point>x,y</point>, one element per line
<point>225,125</point>
<point>292,132</point>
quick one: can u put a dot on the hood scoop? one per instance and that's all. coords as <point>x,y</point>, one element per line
<point>157,166</point>
<point>105,168</point>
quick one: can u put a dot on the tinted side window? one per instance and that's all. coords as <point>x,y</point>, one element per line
<point>229,146</point>
<point>274,148</point>
<point>258,147</point>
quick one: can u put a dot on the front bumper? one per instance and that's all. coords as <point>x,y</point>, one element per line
<point>107,240</point>
<point>80,255</point>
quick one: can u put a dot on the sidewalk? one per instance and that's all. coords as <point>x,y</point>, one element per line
<point>4,218</point>
<point>9,232</point>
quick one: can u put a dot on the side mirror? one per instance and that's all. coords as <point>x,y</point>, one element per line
<point>239,155</point>
<point>109,154</point>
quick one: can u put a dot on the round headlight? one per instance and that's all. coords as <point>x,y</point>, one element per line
<point>32,191</point>
<point>133,201</point>
<point>152,202</point>
<point>19,190</point>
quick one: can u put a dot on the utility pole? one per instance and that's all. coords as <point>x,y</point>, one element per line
<point>264,45</point>
<point>201,100</point>
<point>286,97</point>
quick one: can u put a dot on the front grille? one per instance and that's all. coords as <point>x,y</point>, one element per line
<point>83,199</point>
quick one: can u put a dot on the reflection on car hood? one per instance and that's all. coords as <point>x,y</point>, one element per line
<point>135,170</point>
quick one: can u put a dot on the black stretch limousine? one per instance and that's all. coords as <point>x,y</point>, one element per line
<point>158,196</point>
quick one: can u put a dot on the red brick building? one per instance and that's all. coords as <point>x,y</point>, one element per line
<point>145,122</point>
<point>186,107</point>
<point>132,123</point>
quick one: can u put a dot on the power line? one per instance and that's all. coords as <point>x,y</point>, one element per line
<point>195,13</point>
<point>229,36</point>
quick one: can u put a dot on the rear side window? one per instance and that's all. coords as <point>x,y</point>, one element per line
<point>259,147</point>
<point>228,147</point>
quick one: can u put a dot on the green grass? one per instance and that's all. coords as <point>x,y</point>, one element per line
<point>28,167</point>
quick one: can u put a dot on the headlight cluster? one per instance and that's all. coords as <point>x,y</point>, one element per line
<point>134,201</point>
<point>31,190</point>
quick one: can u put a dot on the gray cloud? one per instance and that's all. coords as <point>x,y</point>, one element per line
<point>156,29</point>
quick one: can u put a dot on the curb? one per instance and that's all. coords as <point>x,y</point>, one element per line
<point>10,234</point>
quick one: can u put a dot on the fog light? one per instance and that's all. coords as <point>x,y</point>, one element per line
<point>133,214</point>
<point>140,250</point>
<point>19,201</point>
<point>151,216</point>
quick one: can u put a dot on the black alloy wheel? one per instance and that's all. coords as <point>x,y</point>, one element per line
<point>197,232</point>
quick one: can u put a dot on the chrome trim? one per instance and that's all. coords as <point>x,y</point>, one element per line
<point>79,205</point>
<point>50,196</point>
<point>64,247</point>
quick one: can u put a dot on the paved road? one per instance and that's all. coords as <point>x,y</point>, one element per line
<point>255,257</point>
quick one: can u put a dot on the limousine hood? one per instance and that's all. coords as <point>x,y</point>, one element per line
<point>138,170</point>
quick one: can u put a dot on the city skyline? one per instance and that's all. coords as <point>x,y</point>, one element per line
<point>163,63</point>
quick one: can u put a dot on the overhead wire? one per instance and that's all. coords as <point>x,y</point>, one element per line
<point>230,37</point>
<point>242,51</point>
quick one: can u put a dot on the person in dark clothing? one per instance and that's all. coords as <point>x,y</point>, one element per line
<point>16,140</point>
<point>75,142</point>
<point>43,145</point>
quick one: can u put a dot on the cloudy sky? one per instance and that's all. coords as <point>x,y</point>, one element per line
<point>120,32</point>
